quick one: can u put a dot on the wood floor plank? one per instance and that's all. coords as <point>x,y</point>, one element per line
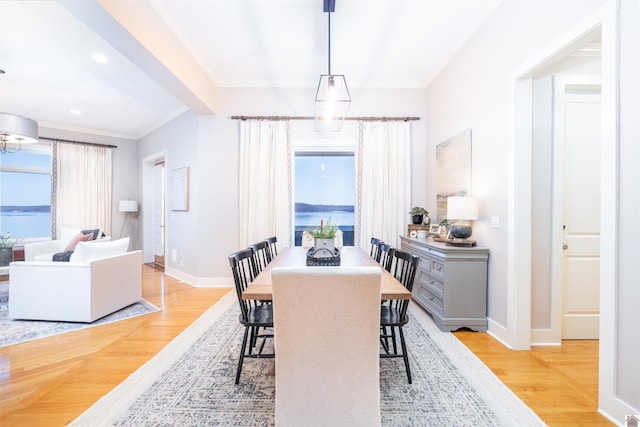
<point>50,382</point>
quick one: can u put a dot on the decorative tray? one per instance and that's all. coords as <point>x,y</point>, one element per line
<point>323,257</point>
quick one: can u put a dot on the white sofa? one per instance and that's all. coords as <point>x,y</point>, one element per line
<point>100,278</point>
<point>43,251</point>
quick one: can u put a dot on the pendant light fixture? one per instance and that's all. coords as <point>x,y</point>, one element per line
<point>15,131</point>
<point>332,97</point>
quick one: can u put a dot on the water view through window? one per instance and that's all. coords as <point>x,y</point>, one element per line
<point>324,190</point>
<point>25,194</point>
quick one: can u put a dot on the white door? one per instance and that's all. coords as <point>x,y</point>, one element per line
<point>581,260</point>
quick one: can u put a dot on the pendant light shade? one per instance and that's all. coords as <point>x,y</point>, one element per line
<point>332,96</point>
<point>15,131</point>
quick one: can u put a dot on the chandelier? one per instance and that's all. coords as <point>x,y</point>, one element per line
<point>332,96</point>
<point>15,131</point>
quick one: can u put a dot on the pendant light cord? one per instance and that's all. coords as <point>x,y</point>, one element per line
<point>329,39</point>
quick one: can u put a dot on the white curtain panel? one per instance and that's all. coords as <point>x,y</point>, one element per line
<point>83,187</point>
<point>265,182</point>
<point>384,180</point>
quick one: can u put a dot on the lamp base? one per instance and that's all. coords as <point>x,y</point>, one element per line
<point>463,243</point>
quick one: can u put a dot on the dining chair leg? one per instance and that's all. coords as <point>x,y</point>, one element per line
<point>384,339</point>
<point>242,350</point>
<point>393,340</point>
<point>405,355</point>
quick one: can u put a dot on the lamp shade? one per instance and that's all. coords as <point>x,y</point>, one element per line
<point>17,129</point>
<point>128,206</point>
<point>464,208</point>
<point>332,102</point>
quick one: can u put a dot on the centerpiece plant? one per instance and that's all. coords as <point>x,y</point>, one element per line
<point>325,231</point>
<point>323,236</point>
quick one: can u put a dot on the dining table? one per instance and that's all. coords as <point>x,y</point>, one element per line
<point>296,256</point>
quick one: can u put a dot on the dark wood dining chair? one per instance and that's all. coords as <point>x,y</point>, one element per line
<point>393,313</point>
<point>253,314</point>
<point>385,255</point>
<point>273,247</point>
<point>374,247</point>
<point>261,256</point>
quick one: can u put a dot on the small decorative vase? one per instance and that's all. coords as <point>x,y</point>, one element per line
<point>323,248</point>
<point>417,219</point>
<point>6,256</point>
<point>426,220</point>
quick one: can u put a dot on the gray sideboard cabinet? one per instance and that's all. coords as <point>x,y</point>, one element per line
<point>451,283</point>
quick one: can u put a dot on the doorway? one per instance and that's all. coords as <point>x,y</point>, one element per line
<point>158,215</point>
<point>154,217</point>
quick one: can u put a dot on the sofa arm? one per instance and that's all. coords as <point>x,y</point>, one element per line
<point>32,250</point>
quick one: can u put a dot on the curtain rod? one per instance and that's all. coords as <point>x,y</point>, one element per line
<point>365,119</point>
<point>78,142</point>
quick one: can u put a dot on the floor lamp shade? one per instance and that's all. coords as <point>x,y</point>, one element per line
<point>128,206</point>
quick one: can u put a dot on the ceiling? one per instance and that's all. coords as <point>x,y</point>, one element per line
<point>166,56</point>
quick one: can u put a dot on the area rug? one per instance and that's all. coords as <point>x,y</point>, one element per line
<point>19,331</point>
<point>191,383</point>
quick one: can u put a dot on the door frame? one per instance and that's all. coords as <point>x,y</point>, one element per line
<point>517,333</point>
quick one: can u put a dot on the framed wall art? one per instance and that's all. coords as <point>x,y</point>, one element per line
<point>453,170</point>
<point>179,180</point>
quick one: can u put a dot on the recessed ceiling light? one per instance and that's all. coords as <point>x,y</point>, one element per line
<point>75,111</point>
<point>100,58</point>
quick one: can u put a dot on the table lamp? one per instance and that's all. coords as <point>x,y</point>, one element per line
<point>461,210</point>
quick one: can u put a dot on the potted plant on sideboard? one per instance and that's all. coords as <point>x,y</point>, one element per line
<point>6,248</point>
<point>417,214</point>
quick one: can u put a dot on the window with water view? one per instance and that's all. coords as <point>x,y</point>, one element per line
<point>324,190</point>
<point>25,193</point>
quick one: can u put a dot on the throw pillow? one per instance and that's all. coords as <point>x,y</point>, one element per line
<point>78,238</point>
<point>62,256</point>
<point>96,233</point>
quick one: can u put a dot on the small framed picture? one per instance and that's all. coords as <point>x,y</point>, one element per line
<point>434,229</point>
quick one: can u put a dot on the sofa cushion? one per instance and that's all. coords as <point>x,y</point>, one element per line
<point>87,251</point>
<point>76,239</point>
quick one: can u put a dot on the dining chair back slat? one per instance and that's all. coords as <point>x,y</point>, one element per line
<point>261,256</point>
<point>385,255</point>
<point>273,247</point>
<point>374,247</point>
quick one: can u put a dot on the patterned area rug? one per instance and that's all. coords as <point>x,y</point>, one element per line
<point>19,331</point>
<point>191,383</point>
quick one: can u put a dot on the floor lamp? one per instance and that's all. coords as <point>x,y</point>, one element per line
<point>128,206</point>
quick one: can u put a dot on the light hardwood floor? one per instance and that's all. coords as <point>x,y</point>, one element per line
<point>49,382</point>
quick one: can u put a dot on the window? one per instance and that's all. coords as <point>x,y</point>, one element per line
<point>324,189</point>
<point>25,192</point>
